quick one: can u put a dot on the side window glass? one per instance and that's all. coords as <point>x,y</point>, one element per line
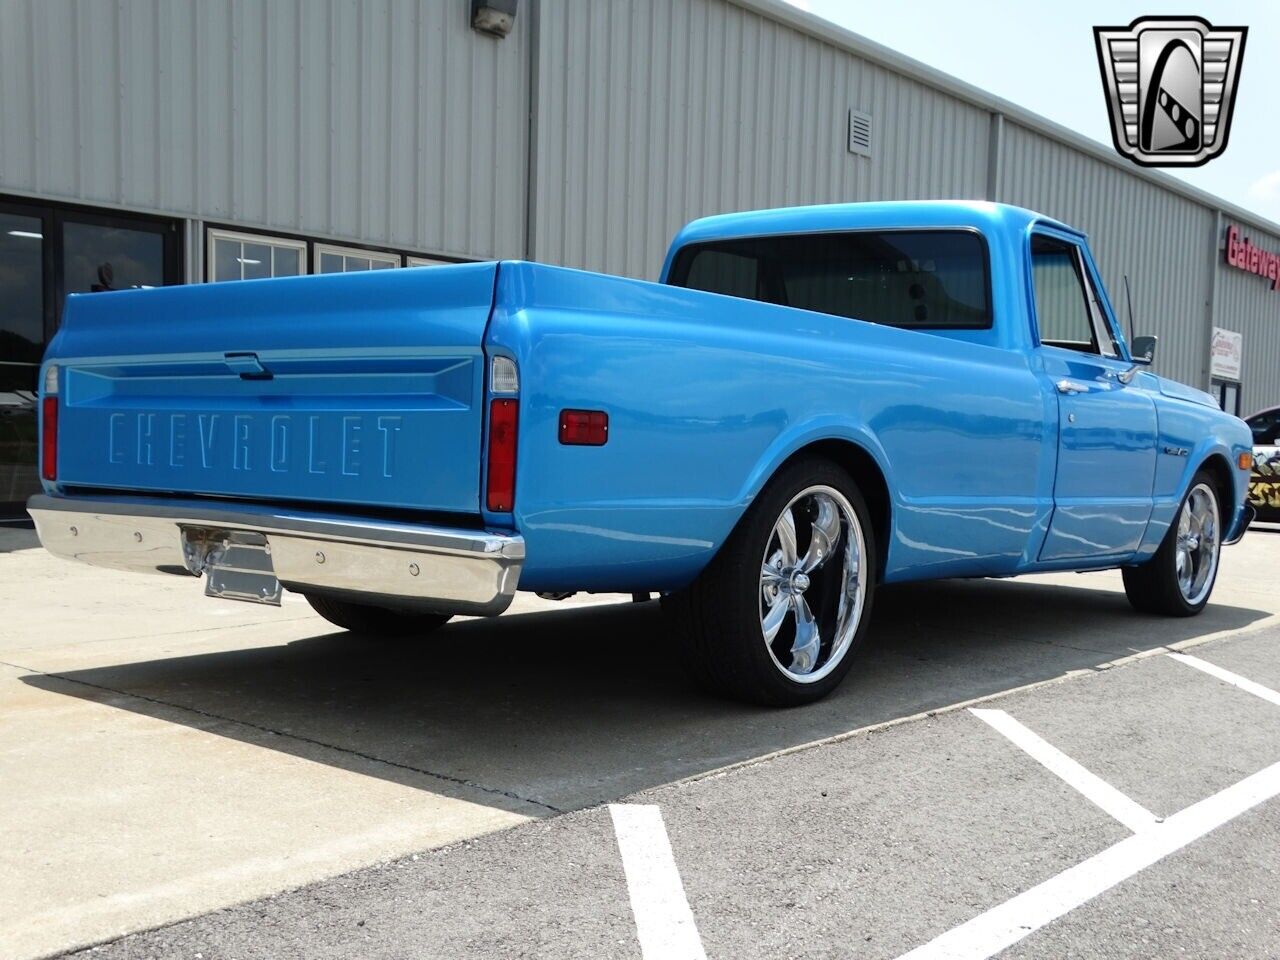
<point>1110,345</point>
<point>1266,429</point>
<point>1063,311</point>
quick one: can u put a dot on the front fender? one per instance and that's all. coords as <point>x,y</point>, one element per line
<point>1183,448</point>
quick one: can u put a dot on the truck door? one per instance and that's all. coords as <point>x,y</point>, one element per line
<point>1106,417</point>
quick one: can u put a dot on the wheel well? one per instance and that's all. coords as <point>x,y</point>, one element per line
<point>1220,472</point>
<point>867,475</point>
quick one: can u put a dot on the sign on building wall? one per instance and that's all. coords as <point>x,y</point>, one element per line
<point>1245,255</point>
<point>1225,353</point>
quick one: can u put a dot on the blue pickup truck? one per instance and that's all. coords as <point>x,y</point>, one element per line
<point>811,402</point>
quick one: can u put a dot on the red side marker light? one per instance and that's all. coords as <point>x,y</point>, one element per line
<point>49,439</point>
<point>501,493</point>
<point>584,428</point>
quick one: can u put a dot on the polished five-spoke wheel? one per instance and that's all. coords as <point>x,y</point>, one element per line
<point>1178,579</point>
<point>777,615</point>
<point>1197,544</point>
<point>811,588</point>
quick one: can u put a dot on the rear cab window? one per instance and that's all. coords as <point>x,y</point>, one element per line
<point>912,279</point>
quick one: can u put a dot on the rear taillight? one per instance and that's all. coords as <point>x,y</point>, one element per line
<point>49,424</point>
<point>501,493</point>
<point>49,439</point>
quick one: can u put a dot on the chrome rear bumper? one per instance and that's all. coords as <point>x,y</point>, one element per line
<point>443,569</point>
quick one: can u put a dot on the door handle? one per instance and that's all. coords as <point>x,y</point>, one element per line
<point>1070,387</point>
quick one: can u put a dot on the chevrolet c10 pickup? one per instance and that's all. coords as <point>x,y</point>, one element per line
<point>810,403</point>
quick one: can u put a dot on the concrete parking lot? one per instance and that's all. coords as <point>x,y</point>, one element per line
<point>267,786</point>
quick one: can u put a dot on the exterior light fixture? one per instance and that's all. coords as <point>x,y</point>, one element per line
<point>494,17</point>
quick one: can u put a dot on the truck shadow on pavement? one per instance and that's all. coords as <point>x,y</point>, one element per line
<point>560,710</point>
<point>17,534</point>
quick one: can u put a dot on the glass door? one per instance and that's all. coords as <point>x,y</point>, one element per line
<point>1228,394</point>
<point>46,252</point>
<point>100,252</point>
<point>25,278</point>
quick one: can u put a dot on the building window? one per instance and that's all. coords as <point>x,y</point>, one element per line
<point>411,261</point>
<point>331,259</point>
<point>248,256</point>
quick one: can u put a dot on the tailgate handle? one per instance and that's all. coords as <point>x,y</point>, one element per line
<point>247,365</point>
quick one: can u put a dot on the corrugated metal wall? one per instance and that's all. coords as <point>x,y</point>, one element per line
<point>391,122</point>
<point>651,114</point>
<point>384,121</point>
<point>1161,240</point>
<point>1247,304</point>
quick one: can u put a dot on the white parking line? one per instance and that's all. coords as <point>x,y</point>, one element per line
<point>1000,927</point>
<point>664,922</point>
<point>1257,689</point>
<point>1132,814</point>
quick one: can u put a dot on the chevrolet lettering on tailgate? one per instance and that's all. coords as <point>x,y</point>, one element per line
<point>352,445</point>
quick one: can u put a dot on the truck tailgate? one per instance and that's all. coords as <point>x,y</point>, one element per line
<point>360,388</point>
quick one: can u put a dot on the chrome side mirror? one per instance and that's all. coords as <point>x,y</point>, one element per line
<point>1143,350</point>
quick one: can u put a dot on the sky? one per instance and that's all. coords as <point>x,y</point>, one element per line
<point>1041,56</point>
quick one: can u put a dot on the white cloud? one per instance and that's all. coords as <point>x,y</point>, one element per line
<point>1266,188</point>
<point>804,5</point>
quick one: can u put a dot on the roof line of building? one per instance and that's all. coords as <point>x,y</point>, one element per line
<point>832,33</point>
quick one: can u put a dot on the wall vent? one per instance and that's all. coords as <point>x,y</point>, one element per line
<point>860,133</point>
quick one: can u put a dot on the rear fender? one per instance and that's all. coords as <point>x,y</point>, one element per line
<point>792,441</point>
<point>819,435</point>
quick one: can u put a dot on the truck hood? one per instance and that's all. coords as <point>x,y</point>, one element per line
<point>1180,391</point>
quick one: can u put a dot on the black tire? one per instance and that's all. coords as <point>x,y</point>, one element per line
<point>1154,587</point>
<point>375,621</point>
<point>717,620</point>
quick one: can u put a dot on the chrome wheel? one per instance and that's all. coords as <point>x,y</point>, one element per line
<point>1196,554</point>
<point>812,590</point>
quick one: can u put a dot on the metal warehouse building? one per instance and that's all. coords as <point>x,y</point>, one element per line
<point>170,141</point>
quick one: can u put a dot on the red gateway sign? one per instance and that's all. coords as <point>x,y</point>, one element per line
<point>1243,255</point>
